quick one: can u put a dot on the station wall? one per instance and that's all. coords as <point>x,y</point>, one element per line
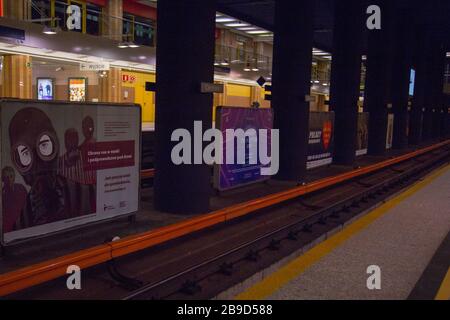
<point>133,89</point>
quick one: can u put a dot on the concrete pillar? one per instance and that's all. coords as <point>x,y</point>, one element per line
<point>111,86</point>
<point>401,77</point>
<point>346,76</point>
<point>378,78</point>
<point>112,20</point>
<point>430,89</point>
<point>185,59</point>
<point>291,83</point>
<point>17,9</point>
<point>17,77</point>
<point>419,101</point>
<point>438,91</point>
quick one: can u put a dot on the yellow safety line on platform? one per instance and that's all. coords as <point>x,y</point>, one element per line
<point>296,267</point>
<point>444,290</point>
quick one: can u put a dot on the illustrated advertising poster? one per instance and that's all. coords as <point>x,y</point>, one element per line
<point>390,131</point>
<point>362,136</point>
<point>45,89</point>
<point>228,176</point>
<point>321,139</point>
<point>77,89</point>
<point>67,165</point>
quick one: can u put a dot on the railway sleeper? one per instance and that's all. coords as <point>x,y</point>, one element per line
<point>309,206</point>
<point>190,288</point>
<point>226,268</point>
<point>275,245</point>
<point>293,235</point>
<point>253,256</point>
<point>307,228</point>
<point>322,220</point>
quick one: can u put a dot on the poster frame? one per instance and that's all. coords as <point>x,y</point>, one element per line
<point>86,86</point>
<point>364,151</point>
<point>53,88</point>
<point>315,164</point>
<point>66,104</point>
<point>216,171</point>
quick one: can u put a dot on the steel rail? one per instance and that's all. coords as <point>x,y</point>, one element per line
<point>48,270</point>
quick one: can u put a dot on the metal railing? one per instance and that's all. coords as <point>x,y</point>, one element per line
<point>225,55</point>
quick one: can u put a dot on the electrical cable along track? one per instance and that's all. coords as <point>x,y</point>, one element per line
<point>204,264</point>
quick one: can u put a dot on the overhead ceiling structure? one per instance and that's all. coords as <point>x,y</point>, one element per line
<point>259,34</point>
<point>261,14</point>
<point>433,15</point>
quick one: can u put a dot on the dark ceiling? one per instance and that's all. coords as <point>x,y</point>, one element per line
<point>434,15</point>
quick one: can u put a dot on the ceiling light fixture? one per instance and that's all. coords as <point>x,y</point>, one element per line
<point>237,24</point>
<point>257,31</point>
<point>122,45</point>
<point>247,28</point>
<point>50,30</point>
<point>133,45</point>
<point>222,20</point>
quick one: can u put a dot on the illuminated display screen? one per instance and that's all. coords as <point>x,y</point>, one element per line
<point>412,80</point>
<point>45,89</point>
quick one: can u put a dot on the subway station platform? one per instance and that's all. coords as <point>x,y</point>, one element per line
<point>407,237</point>
<point>43,249</point>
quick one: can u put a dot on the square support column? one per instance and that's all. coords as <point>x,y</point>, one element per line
<point>346,76</point>
<point>291,83</point>
<point>379,78</point>
<point>185,58</point>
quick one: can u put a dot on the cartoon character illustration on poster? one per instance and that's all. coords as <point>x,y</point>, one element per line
<point>41,91</point>
<point>16,195</point>
<point>70,167</point>
<point>90,173</point>
<point>48,88</point>
<point>78,176</point>
<point>34,153</point>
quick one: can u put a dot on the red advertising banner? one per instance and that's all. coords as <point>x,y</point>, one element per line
<point>66,165</point>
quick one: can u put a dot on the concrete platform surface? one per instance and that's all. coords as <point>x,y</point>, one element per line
<point>400,238</point>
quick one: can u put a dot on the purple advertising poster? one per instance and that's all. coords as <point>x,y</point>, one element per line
<point>228,176</point>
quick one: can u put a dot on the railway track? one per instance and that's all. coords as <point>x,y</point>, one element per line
<point>202,265</point>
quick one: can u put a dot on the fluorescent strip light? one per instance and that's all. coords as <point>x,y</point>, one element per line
<point>247,28</point>
<point>237,24</point>
<point>221,20</point>
<point>258,32</point>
